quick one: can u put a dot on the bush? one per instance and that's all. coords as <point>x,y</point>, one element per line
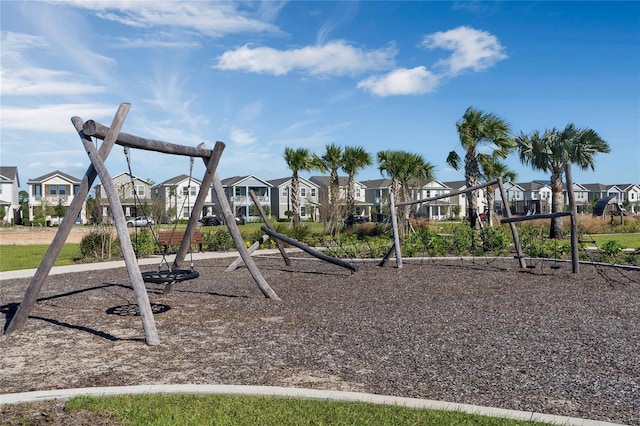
<point>99,245</point>
<point>144,243</point>
<point>609,251</point>
<point>495,241</point>
<point>219,240</point>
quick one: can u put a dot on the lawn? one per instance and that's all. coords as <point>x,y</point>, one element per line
<point>153,409</point>
<point>14,257</point>
<point>628,241</point>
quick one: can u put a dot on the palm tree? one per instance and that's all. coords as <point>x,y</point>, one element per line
<point>353,159</point>
<point>476,128</point>
<point>492,168</point>
<point>552,150</point>
<point>332,161</point>
<point>298,159</point>
<point>404,168</point>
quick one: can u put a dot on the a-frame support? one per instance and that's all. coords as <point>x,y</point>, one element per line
<point>110,136</point>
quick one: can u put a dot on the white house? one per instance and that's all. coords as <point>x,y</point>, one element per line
<point>309,193</point>
<point>134,194</point>
<point>438,209</point>
<point>9,195</point>
<point>237,190</point>
<point>178,196</point>
<point>630,192</point>
<point>377,194</point>
<point>49,192</point>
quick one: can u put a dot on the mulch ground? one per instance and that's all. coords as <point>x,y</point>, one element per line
<point>476,332</point>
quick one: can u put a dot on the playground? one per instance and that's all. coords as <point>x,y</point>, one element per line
<point>477,331</point>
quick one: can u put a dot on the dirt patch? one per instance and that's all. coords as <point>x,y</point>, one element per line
<point>476,332</point>
<point>39,235</point>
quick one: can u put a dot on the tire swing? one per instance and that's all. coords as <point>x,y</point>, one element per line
<point>168,276</point>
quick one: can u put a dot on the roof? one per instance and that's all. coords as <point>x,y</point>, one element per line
<point>178,179</point>
<point>377,183</point>
<point>52,174</point>
<point>535,185</point>
<point>323,181</point>
<point>237,179</point>
<point>9,173</point>
<point>456,184</point>
<point>280,181</point>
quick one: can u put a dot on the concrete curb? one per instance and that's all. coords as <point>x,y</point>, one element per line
<point>64,394</point>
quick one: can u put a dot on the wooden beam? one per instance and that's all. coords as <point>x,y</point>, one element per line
<point>130,259</point>
<point>268,224</point>
<point>205,186</point>
<point>237,238</point>
<point>575,260</point>
<point>534,217</point>
<point>396,233</point>
<point>339,262</point>
<point>92,128</point>
<point>36,283</point>
<point>236,263</point>
<point>514,230</point>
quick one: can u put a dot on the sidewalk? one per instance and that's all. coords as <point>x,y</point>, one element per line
<point>154,260</point>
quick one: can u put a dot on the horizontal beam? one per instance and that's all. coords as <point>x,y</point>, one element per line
<point>534,217</point>
<point>95,129</point>
<point>450,194</point>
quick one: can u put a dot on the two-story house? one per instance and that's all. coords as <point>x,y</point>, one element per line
<point>437,209</point>
<point>135,196</point>
<point>377,194</point>
<point>630,192</point>
<point>361,206</point>
<point>9,195</point>
<point>309,193</point>
<point>581,195</point>
<point>178,195</point>
<point>237,188</point>
<point>51,195</point>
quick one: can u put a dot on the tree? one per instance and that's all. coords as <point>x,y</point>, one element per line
<point>492,168</point>
<point>353,159</point>
<point>298,159</point>
<point>331,162</point>
<point>551,150</point>
<point>475,129</point>
<point>404,168</point>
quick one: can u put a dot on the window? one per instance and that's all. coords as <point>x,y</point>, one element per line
<point>138,190</point>
<point>188,190</point>
<point>53,190</point>
<point>37,190</point>
<point>1,189</point>
<point>303,211</point>
<point>185,212</point>
<point>285,191</point>
<point>303,192</point>
<point>357,192</point>
<point>313,192</point>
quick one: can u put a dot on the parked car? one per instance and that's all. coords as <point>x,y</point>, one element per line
<point>140,221</point>
<point>210,220</point>
<point>355,219</point>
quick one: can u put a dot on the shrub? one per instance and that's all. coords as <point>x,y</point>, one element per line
<point>495,241</point>
<point>218,240</point>
<point>609,251</point>
<point>462,239</point>
<point>144,243</point>
<point>99,245</point>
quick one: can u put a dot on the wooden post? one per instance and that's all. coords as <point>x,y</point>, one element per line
<point>387,255</point>
<point>130,260</point>
<point>236,263</point>
<point>36,283</point>
<point>207,180</point>
<point>514,230</point>
<point>575,261</point>
<point>237,238</point>
<point>311,251</point>
<point>268,224</point>
<point>396,234</point>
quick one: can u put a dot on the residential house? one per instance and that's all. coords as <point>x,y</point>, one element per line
<point>536,198</point>
<point>630,192</point>
<point>362,207</point>
<point>135,196</point>
<point>377,194</point>
<point>178,195</point>
<point>50,195</point>
<point>581,195</point>
<point>596,191</point>
<point>437,209</point>
<point>9,195</point>
<point>237,189</point>
<point>309,193</point>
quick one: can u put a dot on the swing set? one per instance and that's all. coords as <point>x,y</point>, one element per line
<point>175,273</point>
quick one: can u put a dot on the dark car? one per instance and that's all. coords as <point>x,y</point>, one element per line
<point>211,220</point>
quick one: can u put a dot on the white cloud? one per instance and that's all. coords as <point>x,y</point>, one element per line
<point>51,118</point>
<point>242,137</point>
<point>401,81</point>
<point>472,49</point>
<point>333,58</point>
<point>213,19</point>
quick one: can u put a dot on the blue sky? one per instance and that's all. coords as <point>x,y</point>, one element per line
<point>264,76</point>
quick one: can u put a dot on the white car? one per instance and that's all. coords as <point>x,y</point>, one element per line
<point>140,221</point>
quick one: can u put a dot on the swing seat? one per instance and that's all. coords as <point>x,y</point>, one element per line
<point>169,276</point>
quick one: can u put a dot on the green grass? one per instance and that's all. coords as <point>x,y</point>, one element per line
<point>167,410</point>
<point>13,257</point>
<point>631,241</point>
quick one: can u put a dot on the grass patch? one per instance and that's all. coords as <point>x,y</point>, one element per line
<point>166,410</point>
<point>627,241</point>
<point>14,257</point>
